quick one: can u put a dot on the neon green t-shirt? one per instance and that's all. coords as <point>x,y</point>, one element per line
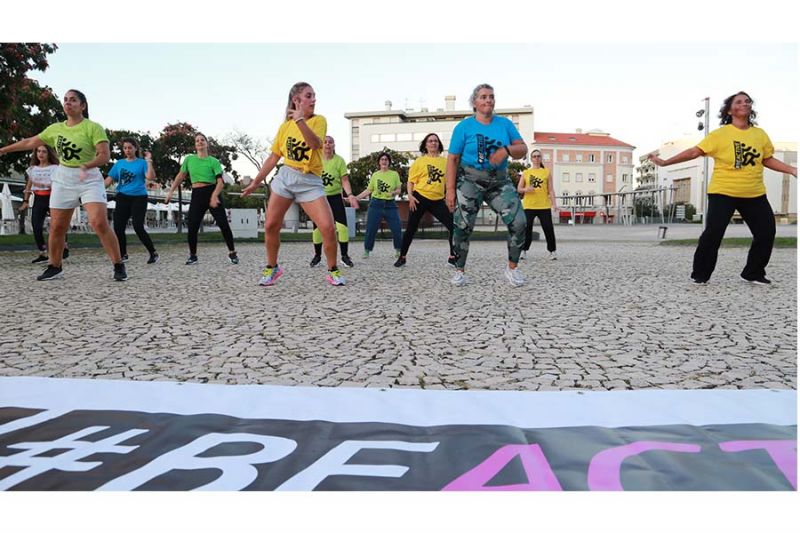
<point>738,160</point>
<point>75,145</point>
<point>383,183</point>
<point>540,197</point>
<point>332,171</point>
<point>201,169</point>
<point>427,175</point>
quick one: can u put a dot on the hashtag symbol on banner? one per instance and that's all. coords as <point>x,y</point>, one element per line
<point>39,457</point>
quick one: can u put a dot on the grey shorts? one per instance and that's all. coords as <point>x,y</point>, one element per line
<point>293,184</point>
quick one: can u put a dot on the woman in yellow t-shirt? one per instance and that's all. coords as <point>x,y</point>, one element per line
<point>539,200</point>
<point>426,194</point>
<point>740,151</point>
<point>299,143</point>
<point>82,148</point>
<point>383,186</point>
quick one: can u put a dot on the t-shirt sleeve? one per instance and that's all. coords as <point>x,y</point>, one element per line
<point>414,173</point>
<point>709,144</point>
<point>48,136</point>
<point>397,182</point>
<point>341,166</point>
<point>114,172</point>
<point>216,167</point>
<point>320,127</point>
<point>371,184</point>
<point>513,132</point>
<point>276,144</point>
<point>98,134</point>
<point>769,150</point>
<point>457,140</point>
<point>185,164</point>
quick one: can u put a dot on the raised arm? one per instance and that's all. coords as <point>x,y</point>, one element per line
<point>687,155</point>
<point>20,146</point>
<point>266,168</point>
<point>779,166</point>
<point>175,184</point>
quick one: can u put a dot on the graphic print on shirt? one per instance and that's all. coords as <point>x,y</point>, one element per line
<point>383,187</point>
<point>327,179</point>
<point>126,177</point>
<point>745,155</point>
<point>434,175</point>
<point>486,147</point>
<point>297,150</point>
<point>67,150</point>
<point>536,183</point>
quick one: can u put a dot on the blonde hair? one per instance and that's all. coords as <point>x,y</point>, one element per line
<point>294,91</point>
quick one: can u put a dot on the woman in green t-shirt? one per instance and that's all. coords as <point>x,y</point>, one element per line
<point>205,173</point>
<point>384,185</point>
<point>82,147</point>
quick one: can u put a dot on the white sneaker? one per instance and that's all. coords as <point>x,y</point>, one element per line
<point>515,277</point>
<point>553,255</point>
<point>459,279</point>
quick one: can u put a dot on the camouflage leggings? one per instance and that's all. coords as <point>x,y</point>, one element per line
<point>473,187</point>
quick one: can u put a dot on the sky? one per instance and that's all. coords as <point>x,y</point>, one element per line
<point>640,93</point>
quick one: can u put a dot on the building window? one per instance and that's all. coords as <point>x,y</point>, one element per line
<point>591,158</point>
<point>374,138</point>
<point>624,178</point>
<point>579,157</point>
<point>565,177</point>
<point>610,158</point>
<point>565,157</point>
<point>387,137</point>
<point>609,178</point>
<point>578,177</point>
<point>591,178</point>
<point>403,137</point>
<point>545,157</point>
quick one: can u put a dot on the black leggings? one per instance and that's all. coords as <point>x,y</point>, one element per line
<point>135,207</point>
<point>41,208</point>
<point>438,209</point>
<point>546,220</point>
<point>201,198</point>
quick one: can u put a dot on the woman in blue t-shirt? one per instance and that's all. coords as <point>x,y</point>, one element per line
<point>131,176</point>
<point>477,171</point>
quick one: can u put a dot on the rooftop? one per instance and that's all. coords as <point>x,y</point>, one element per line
<point>592,138</point>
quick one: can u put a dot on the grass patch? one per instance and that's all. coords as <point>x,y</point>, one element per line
<point>733,242</point>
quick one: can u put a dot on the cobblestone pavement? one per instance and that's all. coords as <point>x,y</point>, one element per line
<point>605,315</point>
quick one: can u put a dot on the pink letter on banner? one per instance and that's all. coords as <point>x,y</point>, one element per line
<point>540,475</point>
<point>782,452</point>
<point>604,470</point>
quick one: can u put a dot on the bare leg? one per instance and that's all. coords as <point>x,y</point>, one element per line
<point>320,212</point>
<point>276,210</point>
<point>59,225</point>
<point>98,219</point>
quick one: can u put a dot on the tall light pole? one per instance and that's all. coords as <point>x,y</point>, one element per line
<point>704,126</point>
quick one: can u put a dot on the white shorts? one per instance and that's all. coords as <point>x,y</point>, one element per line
<point>293,184</point>
<point>69,191</point>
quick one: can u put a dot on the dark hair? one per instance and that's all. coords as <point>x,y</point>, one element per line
<point>134,142</point>
<point>387,155</point>
<point>52,158</point>
<point>294,91</point>
<point>725,111</point>
<point>424,149</point>
<point>82,98</point>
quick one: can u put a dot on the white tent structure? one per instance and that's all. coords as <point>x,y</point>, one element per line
<point>7,206</point>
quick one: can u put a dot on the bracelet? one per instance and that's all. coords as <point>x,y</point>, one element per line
<point>508,150</point>
<point>298,120</point>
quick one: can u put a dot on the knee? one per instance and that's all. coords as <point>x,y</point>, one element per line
<point>272,226</point>
<point>59,226</point>
<point>98,222</point>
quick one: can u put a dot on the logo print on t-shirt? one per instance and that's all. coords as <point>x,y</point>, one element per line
<point>383,187</point>
<point>327,179</point>
<point>434,175</point>
<point>67,149</point>
<point>745,155</point>
<point>536,183</point>
<point>297,150</point>
<point>486,147</point>
<point>126,177</point>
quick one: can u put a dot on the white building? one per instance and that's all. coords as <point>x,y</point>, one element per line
<point>403,130</point>
<point>688,177</point>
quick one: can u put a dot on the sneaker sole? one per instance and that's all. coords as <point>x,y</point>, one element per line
<point>274,279</point>
<point>755,282</point>
<point>330,280</point>
<point>51,278</point>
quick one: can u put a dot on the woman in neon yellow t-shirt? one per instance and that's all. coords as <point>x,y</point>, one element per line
<point>740,151</point>
<point>539,200</point>
<point>383,186</point>
<point>82,147</point>
<point>299,143</point>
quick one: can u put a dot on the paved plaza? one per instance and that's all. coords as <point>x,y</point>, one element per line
<point>615,311</point>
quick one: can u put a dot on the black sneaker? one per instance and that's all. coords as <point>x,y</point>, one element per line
<point>315,261</point>
<point>41,259</point>
<point>153,259</point>
<point>758,281</point>
<point>233,258</point>
<point>119,272</point>
<point>347,261</point>
<point>124,258</point>
<point>192,260</point>
<point>452,260</point>
<point>50,273</point>
<point>65,254</point>
<point>699,281</point>
<point>401,261</point>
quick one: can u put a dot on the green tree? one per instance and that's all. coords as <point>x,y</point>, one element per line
<point>26,108</point>
<point>361,169</point>
<point>515,169</point>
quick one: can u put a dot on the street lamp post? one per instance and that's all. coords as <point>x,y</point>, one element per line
<point>704,126</point>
